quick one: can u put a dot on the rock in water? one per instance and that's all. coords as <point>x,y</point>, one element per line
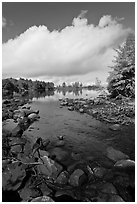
<point>126,166</point>
<point>42,199</point>
<point>61,137</point>
<point>76,156</point>
<point>115,155</point>
<point>26,106</point>
<point>81,110</point>
<point>70,108</point>
<point>59,154</point>
<point>115,127</point>
<point>125,163</point>
<point>77,178</point>
<point>33,116</point>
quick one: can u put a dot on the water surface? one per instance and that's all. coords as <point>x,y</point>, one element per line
<point>83,134</point>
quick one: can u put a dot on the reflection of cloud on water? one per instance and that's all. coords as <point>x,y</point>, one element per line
<point>57,95</point>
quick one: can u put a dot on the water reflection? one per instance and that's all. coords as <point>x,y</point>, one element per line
<point>57,94</point>
<point>75,92</point>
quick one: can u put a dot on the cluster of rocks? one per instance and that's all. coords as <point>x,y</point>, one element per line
<point>120,110</point>
<point>37,177</point>
<point>10,105</point>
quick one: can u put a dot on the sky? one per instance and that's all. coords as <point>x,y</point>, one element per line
<point>59,42</point>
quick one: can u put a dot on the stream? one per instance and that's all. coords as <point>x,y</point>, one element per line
<point>82,133</point>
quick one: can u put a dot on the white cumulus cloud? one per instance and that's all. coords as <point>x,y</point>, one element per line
<point>80,49</point>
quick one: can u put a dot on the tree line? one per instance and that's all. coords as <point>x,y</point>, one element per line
<point>11,85</point>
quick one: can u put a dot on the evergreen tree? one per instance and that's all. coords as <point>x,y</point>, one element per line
<point>122,78</point>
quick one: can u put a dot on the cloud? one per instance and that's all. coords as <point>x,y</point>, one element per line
<point>4,22</point>
<point>82,14</point>
<point>78,50</point>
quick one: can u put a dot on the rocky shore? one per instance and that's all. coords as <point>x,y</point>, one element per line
<point>37,171</point>
<point>116,111</point>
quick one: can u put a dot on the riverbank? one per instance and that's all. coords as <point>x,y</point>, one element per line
<point>46,172</point>
<point>116,111</point>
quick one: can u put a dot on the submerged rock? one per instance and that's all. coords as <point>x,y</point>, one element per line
<point>60,143</point>
<point>115,155</point>
<point>76,156</point>
<point>59,154</point>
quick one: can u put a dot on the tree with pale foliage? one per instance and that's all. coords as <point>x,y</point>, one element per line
<point>122,78</point>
